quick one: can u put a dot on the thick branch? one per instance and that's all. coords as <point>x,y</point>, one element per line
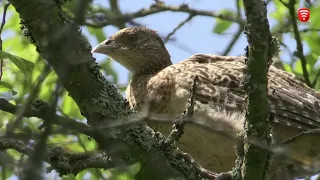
<point>60,160</point>
<point>256,160</point>
<point>182,162</point>
<point>61,44</point>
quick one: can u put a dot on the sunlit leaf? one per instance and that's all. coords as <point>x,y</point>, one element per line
<point>96,174</point>
<point>5,87</point>
<point>69,177</point>
<point>298,68</point>
<point>90,145</point>
<point>24,65</point>
<point>70,108</point>
<point>7,173</point>
<point>13,153</point>
<point>129,174</point>
<point>14,22</point>
<point>287,67</point>
<point>314,16</point>
<point>222,25</point>
<point>311,59</point>
<point>81,174</point>
<point>98,33</point>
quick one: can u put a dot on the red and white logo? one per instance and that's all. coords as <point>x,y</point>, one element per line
<point>304,14</point>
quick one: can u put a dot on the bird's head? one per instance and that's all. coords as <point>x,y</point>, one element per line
<point>138,49</point>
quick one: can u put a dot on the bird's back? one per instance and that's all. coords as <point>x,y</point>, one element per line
<point>220,104</point>
<point>220,87</point>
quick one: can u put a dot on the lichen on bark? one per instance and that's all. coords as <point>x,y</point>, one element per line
<point>61,44</point>
<point>255,161</point>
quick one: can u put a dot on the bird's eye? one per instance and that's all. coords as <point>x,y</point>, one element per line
<point>132,37</point>
<point>108,42</point>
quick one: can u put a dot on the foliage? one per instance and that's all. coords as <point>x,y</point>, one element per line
<point>23,65</point>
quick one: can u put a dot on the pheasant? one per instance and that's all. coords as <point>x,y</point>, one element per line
<point>219,98</point>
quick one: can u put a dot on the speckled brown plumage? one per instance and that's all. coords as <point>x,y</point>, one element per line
<point>219,95</point>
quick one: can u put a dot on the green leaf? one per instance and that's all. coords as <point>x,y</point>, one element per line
<point>298,67</point>
<point>5,87</point>
<point>130,172</point>
<point>24,65</point>
<point>240,4</point>
<point>95,173</point>
<point>315,17</point>
<point>287,67</point>
<point>313,40</point>
<point>81,174</point>
<point>98,33</point>
<point>280,13</point>
<point>311,59</point>
<point>7,173</point>
<point>69,177</point>
<point>222,25</point>
<point>70,107</point>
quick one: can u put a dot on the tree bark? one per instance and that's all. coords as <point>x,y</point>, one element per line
<point>257,128</point>
<point>59,42</point>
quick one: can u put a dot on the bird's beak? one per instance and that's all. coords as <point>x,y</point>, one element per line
<point>104,47</point>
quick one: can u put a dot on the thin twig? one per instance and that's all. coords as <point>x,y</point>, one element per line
<point>237,35</point>
<point>34,163</point>
<point>302,30</point>
<point>238,8</point>
<point>114,5</point>
<point>5,8</point>
<point>83,160</point>
<point>178,27</point>
<point>161,7</point>
<point>202,171</point>
<point>177,128</point>
<point>184,8</point>
<point>284,3</point>
<point>82,144</point>
<point>80,11</point>
<point>314,83</point>
<point>233,41</point>
<point>299,52</point>
<point>115,9</point>
<point>33,94</point>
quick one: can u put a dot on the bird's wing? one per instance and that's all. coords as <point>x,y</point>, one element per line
<point>220,84</point>
<point>218,92</point>
<point>292,101</point>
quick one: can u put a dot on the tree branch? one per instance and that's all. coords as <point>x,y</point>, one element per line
<point>5,8</point>
<point>233,41</point>
<point>167,38</point>
<point>61,44</point>
<point>161,7</point>
<point>60,160</point>
<point>299,53</point>
<point>182,162</point>
<point>256,160</point>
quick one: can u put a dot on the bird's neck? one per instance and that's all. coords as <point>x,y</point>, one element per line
<point>154,64</point>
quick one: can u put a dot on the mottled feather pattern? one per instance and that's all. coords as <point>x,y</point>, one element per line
<point>220,85</point>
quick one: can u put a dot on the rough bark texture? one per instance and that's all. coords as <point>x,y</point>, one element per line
<point>257,128</point>
<point>61,44</point>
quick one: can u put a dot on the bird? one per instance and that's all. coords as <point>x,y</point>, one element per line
<point>219,99</point>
